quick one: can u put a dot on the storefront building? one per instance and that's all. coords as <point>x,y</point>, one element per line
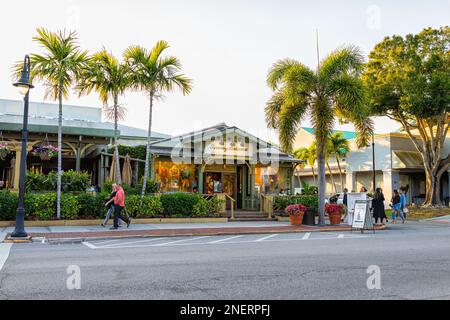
<point>222,159</point>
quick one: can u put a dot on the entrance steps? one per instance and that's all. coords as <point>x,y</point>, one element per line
<point>250,216</point>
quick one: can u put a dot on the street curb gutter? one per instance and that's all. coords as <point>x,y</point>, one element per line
<point>199,233</point>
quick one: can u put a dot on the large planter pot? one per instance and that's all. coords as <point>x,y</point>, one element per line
<point>296,220</point>
<point>335,219</point>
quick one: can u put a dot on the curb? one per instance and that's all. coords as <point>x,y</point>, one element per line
<point>78,240</point>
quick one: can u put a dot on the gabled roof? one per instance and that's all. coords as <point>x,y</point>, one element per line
<point>164,146</point>
<point>349,135</point>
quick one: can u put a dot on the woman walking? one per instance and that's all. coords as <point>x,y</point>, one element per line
<point>378,206</point>
<point>110,205</point>
<point>396,207</point>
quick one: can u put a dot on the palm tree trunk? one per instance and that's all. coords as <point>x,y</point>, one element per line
<point>298,178</point>
<point>314,175</point>
<point>118,176</point>
<point>321,182</point>
<point>59,175</point>
<point>148,153</point>
<point>331,176</point>
<point>340,174</point>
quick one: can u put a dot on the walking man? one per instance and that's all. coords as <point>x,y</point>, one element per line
<point>119,205</point>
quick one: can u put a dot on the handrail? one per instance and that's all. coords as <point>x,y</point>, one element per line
<point>232,205</point>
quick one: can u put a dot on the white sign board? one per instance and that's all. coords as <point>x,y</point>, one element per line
<point>359,215</point>
<point>351,199</point>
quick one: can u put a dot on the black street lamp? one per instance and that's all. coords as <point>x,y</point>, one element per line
<point>373,164</point>
<point>24,86</point>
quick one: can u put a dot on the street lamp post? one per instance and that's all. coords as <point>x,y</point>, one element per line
<point>24,87</point>
<point>373,163</point>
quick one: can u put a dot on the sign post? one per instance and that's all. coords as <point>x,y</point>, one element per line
<point>362,218</point>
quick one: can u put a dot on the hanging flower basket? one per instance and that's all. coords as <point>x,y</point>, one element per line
<point>4,150</point>
<point>46,152</point>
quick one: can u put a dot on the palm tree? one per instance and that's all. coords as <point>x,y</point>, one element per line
<point>301,154</point>
<point>110,78</point>
<point>327,157</point>
<point>154,74</point>
<point>59,69</point>
<point>312,158</point>
<point>334,89</point>
<point>339,148</point>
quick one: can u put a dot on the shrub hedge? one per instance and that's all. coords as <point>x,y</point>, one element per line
<point>42,206</point>
<point>281,202</point>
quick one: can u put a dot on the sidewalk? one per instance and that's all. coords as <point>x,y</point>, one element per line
<point>174,230</point>
<point>443,220</point>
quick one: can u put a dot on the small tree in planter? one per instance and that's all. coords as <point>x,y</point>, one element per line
<point>334,213</point>
<point>296,212</point>
<point>46,151</point>
<point>4,150</point>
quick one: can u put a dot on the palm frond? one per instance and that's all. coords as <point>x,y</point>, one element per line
<point>347,59</point>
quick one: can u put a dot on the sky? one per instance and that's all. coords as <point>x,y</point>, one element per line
<point>226,47</point>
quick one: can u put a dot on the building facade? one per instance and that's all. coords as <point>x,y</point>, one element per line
<point>398,165</point>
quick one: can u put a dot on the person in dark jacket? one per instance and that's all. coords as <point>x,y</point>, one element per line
<point>378,206</point>
<point>396,207</point>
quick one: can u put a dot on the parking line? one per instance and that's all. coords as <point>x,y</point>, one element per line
<point>132,242</point>
<point>5,248</point>
<point>341,236</point>
<point>108,241</point>
<point>306,236</point>
<point>265,238</point>
<point>90,245</point>
<point>178,241</point>
<point>223,240</point>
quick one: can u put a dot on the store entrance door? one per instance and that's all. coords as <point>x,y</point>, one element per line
<point>229,186</point>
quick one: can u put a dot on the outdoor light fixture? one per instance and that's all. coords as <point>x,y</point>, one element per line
<point>24,86</point>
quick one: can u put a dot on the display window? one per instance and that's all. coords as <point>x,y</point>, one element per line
<point>271,181</point>
<point>171,177</point>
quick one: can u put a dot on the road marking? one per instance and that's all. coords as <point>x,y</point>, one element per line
<point>265,238</point>
<point>5,249</point>
<point>105,242</point>
<point>132,242</point>
<point>306,236</point>
<point>187,242</point>
<point>90,245</point>
<point>223,240</point>
<point>178,241</point>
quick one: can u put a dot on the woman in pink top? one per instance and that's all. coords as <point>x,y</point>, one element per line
<point>119,204</point>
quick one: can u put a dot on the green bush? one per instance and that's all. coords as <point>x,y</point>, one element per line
<point>151,206</point>
<point>201,208</point>
<point>42,206</point>
<point>70,208</point>
<point>179,203</point>
<point>281,202</point>
<point>8,205</point>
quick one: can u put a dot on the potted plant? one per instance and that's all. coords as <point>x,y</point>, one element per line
<point>46,151</point>
<point>296,212</point>
<point>4,150</point>
<point>334,213</point>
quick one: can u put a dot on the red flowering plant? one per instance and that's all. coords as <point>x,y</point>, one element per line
<point>295,209</point>
<point>333,209</point>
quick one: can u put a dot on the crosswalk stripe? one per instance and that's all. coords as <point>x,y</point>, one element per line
<point>223,240</point>
<point>267,237</point>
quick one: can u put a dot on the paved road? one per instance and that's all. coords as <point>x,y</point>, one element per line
<point>414,260</point>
